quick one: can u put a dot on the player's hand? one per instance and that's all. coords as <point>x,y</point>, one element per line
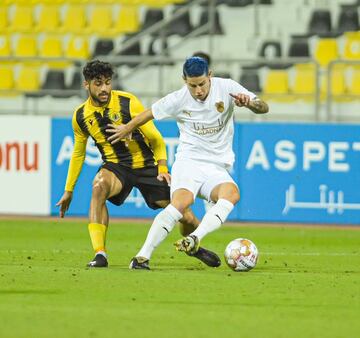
<point>166,177</point>
<point>119,133</point>
<point>64,203</point>
<point>241,100</point>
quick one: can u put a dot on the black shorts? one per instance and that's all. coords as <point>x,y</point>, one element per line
<point>144,179</point>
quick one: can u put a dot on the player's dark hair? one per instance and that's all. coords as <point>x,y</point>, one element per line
<point>195,66</point>
<point>95,69</point>
<point>203,55</point>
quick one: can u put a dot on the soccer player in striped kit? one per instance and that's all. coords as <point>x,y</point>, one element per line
<point>137,161</point>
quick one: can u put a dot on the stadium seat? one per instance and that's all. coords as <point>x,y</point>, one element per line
<point>299,47</point>
<point>100,21</point>
<point>354,88</point>
<point>152,16</point>
<point>348,20</point>
<point>337,84</point>
<point>238,3</point>
<point>6,78</point>
<point>304,86</point>
<point>51,46</point>
<point>276,86</point>
<point>74,19</point>
<point>270,49</point>
<point>28,79</point>
<point>326,50</point>
<point>128,20</point>
<point>26,46</point>
<point>77,48</point>
<point>134,49</point>
<point>76,83</point>
<point>3,18</point>
<point>204,19</point>
<point>181,25</point>
<point>5,49</point>
<point>55,83</point>
<point>23,19</point>
<point>49,19</point>
<point>250,80</point>
<point>352,46</point>
<point>320,22</point>
<point>103,47</point>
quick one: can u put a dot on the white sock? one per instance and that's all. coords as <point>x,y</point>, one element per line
<point>102,253</point>
<point>162,225</point>
<point>213,219</point>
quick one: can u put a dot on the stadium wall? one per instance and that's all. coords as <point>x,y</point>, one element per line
<point>308,173</point>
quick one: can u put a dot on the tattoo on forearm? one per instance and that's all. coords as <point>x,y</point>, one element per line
<point>259,107</point>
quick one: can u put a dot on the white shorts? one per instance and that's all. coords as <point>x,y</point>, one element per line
<point>199,177</point>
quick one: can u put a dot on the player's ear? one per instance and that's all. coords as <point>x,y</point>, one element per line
<point>184,78</point>
<point>86,84</point>
<point>210,74</point>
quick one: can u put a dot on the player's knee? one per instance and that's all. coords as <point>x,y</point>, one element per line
<point>100,189</point>
<point>232,194</point>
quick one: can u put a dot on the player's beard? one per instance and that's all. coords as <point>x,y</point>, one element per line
<point>97,100</point>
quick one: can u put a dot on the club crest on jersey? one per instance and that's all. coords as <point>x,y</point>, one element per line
<point>115,117</point>
<point>220,106</point>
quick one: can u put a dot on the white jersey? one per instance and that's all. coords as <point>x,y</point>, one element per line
<point>206,127</point>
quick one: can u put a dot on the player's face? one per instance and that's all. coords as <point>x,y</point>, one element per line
<point>199,86</point>
<point>99,90</point>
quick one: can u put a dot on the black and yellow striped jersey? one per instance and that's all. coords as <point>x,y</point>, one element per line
<point>144,149</point>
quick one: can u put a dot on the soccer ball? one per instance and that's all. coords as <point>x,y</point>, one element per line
<point>241,254</point>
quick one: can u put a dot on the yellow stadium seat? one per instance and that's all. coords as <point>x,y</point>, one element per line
<point>26,46</point>
<point>158,3</point>
<point>3,18</point>
<point>276,82</point>
<point>337,84</point>
<point>49,19</point>
<point>305,82</point>
<point>6,78</point>
<point>28,79</point>
<point>78,48</point>
<point>74,20</point>
<point>352,46</point>
<point>100,20</point>
<point>23,19</point>
<point>51,47</point>
<point>326,50</point>
<point>354,88</point>
<point>128,20</point>
<point>5,46</point>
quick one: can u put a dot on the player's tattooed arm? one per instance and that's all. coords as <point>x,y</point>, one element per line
<point>258,106</point>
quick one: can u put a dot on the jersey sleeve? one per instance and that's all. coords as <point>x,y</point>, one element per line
<point>165,108</point>
<point>149,131</point>
<point>237,88</point>
<point>77,157</point>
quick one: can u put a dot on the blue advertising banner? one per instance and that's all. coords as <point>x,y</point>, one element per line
<point>299,173</point>
<point>306,173</point>
<point>134,206</point>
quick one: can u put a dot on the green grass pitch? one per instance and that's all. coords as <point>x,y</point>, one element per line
<point>306,284</point>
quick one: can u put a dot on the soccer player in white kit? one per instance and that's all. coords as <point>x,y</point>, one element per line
<point>203,109</point>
